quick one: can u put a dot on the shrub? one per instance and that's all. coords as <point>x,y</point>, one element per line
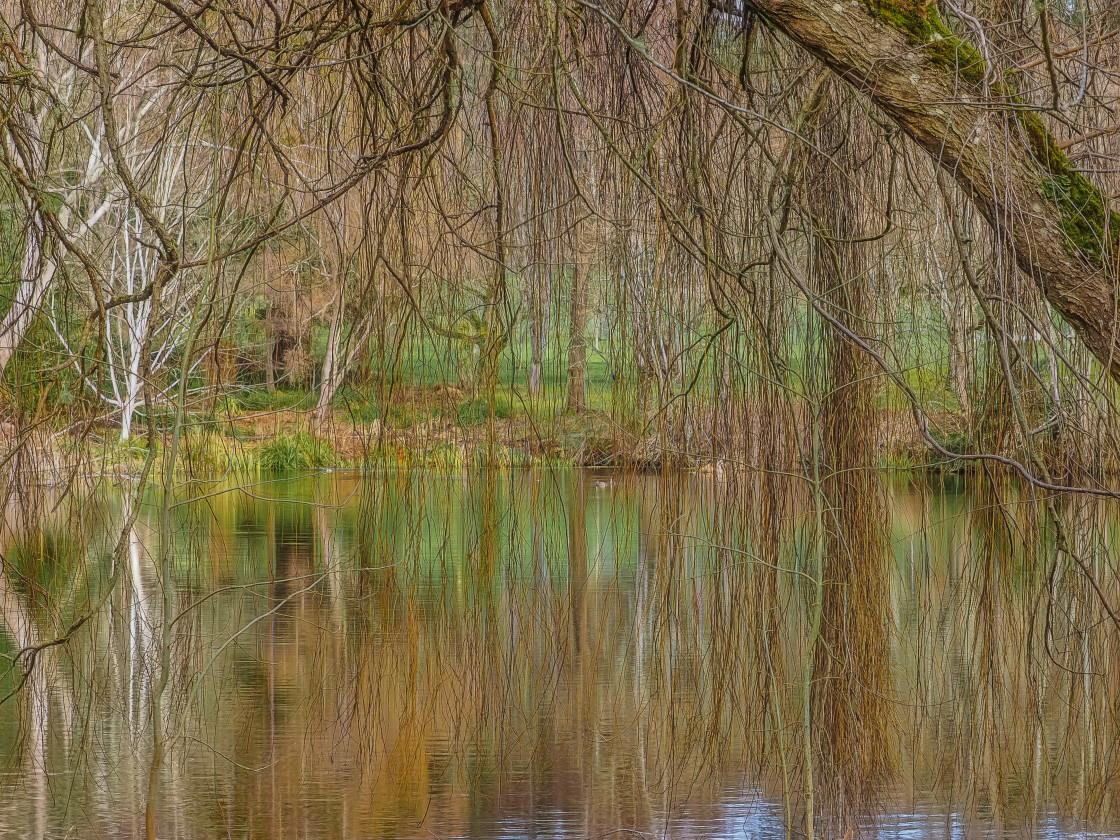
<point>293,453</point>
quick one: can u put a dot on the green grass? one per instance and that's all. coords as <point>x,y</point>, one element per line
<point>261,399</point>
<point>473,412</point>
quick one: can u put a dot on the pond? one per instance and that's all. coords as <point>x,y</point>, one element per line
<point>557,654</point>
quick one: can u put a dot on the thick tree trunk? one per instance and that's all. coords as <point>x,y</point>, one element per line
<point>929,82</point>
<point>577,340</point>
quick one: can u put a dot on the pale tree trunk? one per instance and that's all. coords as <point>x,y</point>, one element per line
<point>40,260</point>
<point>330,380</point>
<point>131,390</point>
<point>28,145</point>
<point>36,274</point>
<point>973,132</point>
<point>577,340</point>
<point>339,358</point>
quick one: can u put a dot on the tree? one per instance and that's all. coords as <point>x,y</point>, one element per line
<point>948,97</point>
<point>47,140</point>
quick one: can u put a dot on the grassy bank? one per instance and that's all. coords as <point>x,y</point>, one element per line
<point>442,428</point>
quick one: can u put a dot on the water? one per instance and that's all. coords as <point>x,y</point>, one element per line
<point>552,655</point>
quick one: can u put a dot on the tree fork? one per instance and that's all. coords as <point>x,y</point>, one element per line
<point>941,93</point>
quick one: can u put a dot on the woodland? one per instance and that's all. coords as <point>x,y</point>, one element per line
<point>671,233</point>
<point>788,255</point>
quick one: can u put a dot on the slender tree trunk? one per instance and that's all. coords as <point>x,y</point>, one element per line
<point>330,379</point>
<point>131,394</point>
<point>577,340</point>
<point>269,351</point>
<point>536,334</point>
<point>954,300</point>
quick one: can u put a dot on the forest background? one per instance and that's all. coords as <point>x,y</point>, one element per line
<point>299,235</point>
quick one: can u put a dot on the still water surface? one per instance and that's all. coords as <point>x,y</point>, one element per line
<point>558,655</point>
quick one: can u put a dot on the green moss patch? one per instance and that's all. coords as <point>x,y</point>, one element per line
<point>924,28</point>
<point>961,57</point>
<point>1090,230</point>
<point>920,21</point>
<point>1083,217</point>
<point>1042,143</point>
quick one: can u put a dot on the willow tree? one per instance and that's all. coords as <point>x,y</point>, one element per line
<point>946,94</point>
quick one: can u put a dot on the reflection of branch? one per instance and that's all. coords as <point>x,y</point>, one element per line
<point>30,655</point>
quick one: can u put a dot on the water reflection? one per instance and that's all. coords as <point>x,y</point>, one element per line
<point>548,655</point>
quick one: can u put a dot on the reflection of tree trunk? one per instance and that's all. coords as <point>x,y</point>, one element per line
<point>15,616</point>
<point>577,566</point>
<point>332,567</point>
<point>850,674</point>
<point>47,681</point>
<point>577,340</point>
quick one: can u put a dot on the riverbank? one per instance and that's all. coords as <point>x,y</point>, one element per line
<point>441,428</point>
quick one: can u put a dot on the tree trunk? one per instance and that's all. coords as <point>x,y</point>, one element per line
<point>536,333</point>
<point>577,341</point>
<point>37,271</point>
<point>269,352</point>
<point>131,394</point>
<point>342,351</point>
<point>330,380</point>
<point>931,83</point>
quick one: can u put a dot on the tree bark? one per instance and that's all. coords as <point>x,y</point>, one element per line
<point>538,319</point>
<point>1056,224</point>
<point>343,349</point>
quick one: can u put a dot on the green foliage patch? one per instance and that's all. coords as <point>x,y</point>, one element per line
<point>473,412</point>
